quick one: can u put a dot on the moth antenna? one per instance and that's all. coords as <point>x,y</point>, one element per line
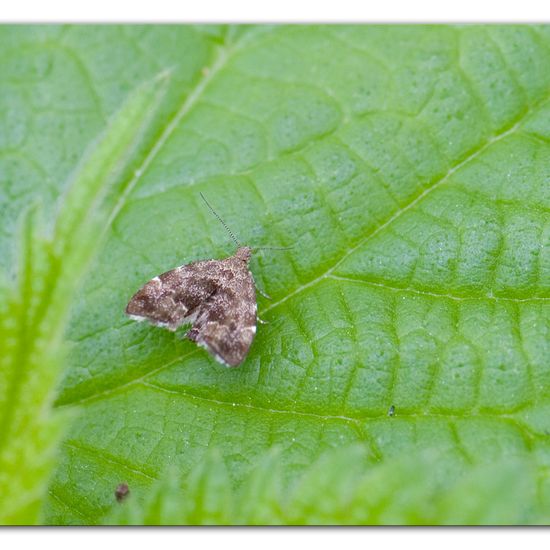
<point>221,221</point>
<point>272,247</point>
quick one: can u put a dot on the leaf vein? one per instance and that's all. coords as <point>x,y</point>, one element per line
<point>396,215</point>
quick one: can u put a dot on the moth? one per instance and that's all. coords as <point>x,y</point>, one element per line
<point>217,297</point>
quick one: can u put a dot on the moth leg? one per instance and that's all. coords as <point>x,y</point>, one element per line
<point>262,322</point>
<point>192,334</point>
<point>263,293</point>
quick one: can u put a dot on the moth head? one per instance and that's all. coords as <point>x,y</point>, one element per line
<point>244,253</point>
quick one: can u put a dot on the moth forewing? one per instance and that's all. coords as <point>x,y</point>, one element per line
<point>217,296</point>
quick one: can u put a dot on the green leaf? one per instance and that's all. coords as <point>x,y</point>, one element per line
<point>407,166</point>
<point>35,308</point>
<point>344,487</point>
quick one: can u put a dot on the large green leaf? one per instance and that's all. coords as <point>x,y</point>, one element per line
<point>407,166</point>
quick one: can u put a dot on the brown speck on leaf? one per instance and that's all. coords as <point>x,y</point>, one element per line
<point>122,491</point>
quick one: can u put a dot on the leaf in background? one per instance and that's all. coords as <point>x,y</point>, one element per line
<point>407,166</point>
<point>343,487</point>
<point>34,311</point>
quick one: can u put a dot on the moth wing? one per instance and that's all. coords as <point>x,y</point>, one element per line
<point>226,323</point>
<point>175,297</point>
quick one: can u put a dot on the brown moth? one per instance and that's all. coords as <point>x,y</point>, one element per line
<point>218,297</point>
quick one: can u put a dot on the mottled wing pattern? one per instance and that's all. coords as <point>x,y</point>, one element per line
<point>217,296</point>
<point>226,323</point>
<point>173,298</point>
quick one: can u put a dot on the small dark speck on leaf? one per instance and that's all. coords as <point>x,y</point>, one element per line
<point>391,411</point>
<point>122,491</point>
